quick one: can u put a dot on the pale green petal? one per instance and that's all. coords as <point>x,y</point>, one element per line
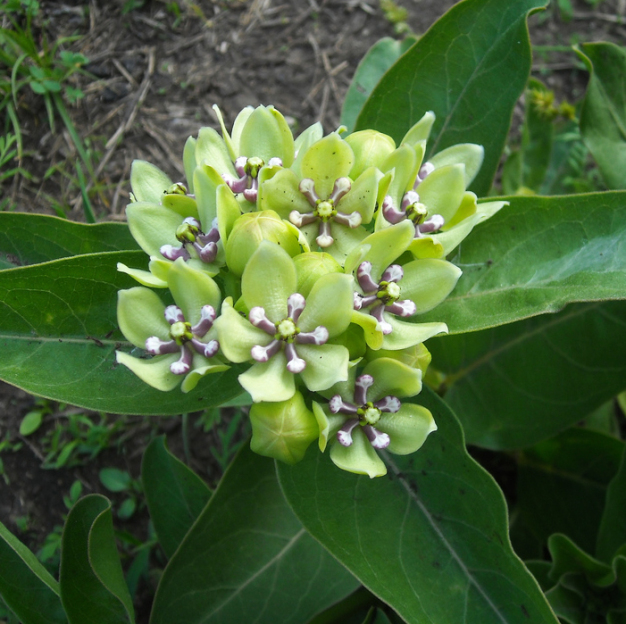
<point>206,179</point>
<point>146,278</point>
<point>407,429</point>
<point>155,371</point>
<point>387,245</point>
<point>268,280</point>
<point>238,126</point>
<point>231,145</point>
<point>373,335</point>
<point>360,457</point>
<point>421,130</point>
<point>328,424</point>
<point>191,290</point>
<point>404,335</point>
<point>266,135</point>
<point>428,282</point>
<point>227,211</point>
<point>183,205</point>
<point>330,304</point>
<point>403,163</point>
<point>283,430</point>
<point>325,365</point>
<point>211,150</point>
<point>269,381</point>
<point>466,209</point>
<point>441,244</point>
<point>160,268</point>
<point>356,256</point>
<point>346,240</point>
<point>442,191</point>
<point>140,315</point>
<point>468,154</point>
<point>200,368</point>
<point>236,335</point>
<point>392,377</point>
<point>189,162</point>
<point>488,209</point>
<point>371,149</point>
<point>362,196</point>
<point>282,194</point>
<point>148,182</point>
<point>326,161</point>
<point>153,226</point>
<point>311,266</point>
<point>311,135</point>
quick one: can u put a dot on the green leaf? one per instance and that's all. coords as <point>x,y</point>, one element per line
<point>31,422</point>
<point>59,333</point>
<point>92,584</point>
<point>603,115</point>
<point>378,59</point>
<point>535,256</point>
<point>31,238</point>
<point>175,494</point>
<point>115,480</point>
<point>515,385</point>
<point>430,540</point>
<point>470,69</point>
<point>573,468</point>
<point>247,558</point>
<point>26,586</point>
<point>612,533</point>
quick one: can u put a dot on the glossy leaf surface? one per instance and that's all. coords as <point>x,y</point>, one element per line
<point>603,115</point>
<point>31,238</point>
<point>535,256</point>
<point>430,539</point>
<point>59,332</point>
<point>175,494</point>
<point>378,59</point>
<point>248,559</point>
<point>26,586</point>
<point>515,385</point>
<point>456,70</point>
<point>92,584</point>
<point>562,484</point>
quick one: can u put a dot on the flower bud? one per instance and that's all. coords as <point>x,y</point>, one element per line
<point>311,266</point>
<point>252,228</point>
<point>417,356</point>
<point>370,148</point>
<point>283,430</point>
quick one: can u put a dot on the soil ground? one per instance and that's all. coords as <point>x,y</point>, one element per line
<point>153,75</point>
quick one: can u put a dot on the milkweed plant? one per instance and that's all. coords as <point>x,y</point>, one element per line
<point>372,302</point>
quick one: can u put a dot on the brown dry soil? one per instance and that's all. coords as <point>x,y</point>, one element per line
<point>151,82</point>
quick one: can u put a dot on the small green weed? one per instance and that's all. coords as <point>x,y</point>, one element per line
<point>396,15</point>
<point>116,480</point>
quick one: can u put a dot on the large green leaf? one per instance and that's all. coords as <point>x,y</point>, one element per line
<point>30,238</point>
<point>26,586</point>
<point>470,69</point>
<point>515,385</point>
<point>612,533</point>
<point>535,256</point>
<point>603,115</point>
<point>175,494</point>
<point>379,58</point>
<point>248,559</point>
<point>58,335</point>
<point>430,539</point>
<point>562,484</point>
<point>93,588</point>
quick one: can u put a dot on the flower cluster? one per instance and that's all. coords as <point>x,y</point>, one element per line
<point>311,260</point>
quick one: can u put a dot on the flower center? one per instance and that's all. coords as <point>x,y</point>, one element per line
<point>181,332</point>
<point>368,414</point>
<point>187,232</point>
<point>325,209</point>
<point>287,330</point>
<point>388,292</point>
<point>416,213</point>
<point>253,166</point>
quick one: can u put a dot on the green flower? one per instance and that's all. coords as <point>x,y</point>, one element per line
<point>386,291</point>
<point>180,337</point>
<point>366,415</point>
<point>283,430</point>
<point>286,334</point>
<point>323,201</point>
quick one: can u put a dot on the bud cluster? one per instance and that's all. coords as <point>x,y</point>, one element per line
<point>311,260</point>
